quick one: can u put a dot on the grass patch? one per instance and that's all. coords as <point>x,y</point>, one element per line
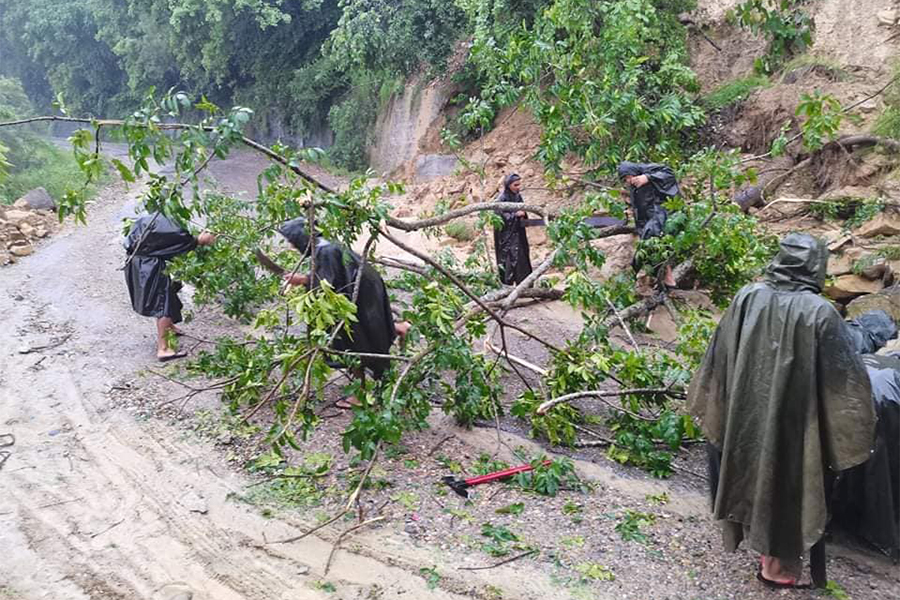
<point>800,66</point>
<point>461,232</point>
<point>48,167</point>
<point>734,91</point>
<point>888,123</point>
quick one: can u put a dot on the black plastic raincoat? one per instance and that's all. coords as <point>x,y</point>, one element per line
<point>871,331</point>
<point>649,214</point>
<point>153,240</point>
<point>374,331</point>
<point>511,241</point>
<point>866,498</point>
<point>782,397</point>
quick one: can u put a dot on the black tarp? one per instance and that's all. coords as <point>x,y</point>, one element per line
<point>374,331</point>
<point>784,398</point>
<point>872,330</point>
<point>511,240</point>
<point>152,241</point>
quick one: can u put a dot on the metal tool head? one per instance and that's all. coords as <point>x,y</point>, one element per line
<point>457,485</point>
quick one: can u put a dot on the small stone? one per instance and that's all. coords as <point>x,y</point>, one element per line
<point>26,229</point>
<point>15,217</point>
<point>888,17</point>
<point>21,250</point>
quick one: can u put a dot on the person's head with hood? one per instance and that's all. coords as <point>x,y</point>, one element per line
<point>632,173</point>
<point>296,232</point>
<point>800,265</point>
<point>512,184</point>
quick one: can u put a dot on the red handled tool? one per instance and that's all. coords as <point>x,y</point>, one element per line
<point>460,486</point>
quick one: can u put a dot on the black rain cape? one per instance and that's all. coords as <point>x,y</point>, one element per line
<point>374,331</point>
<point>157,239</point>
<point>866,499</point>
<point>872,330</point>
<point>783,397</point>
<point>649,214</point>
<point>511,241</point>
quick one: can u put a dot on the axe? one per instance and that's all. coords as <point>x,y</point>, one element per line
<point>460,486</point>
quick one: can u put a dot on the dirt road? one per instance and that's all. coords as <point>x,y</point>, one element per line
<point>95,504</point>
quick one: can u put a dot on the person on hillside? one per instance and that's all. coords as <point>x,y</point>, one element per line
<point>511,241</point>
<point>785,403</point>
<point>649,186</point>
<point>152,241</point>
<point>374,331</point>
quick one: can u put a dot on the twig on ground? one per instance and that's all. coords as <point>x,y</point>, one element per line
<point>502,562</point>
<point>344,534</point>
<point>49,346</point>
<point>603,395</point>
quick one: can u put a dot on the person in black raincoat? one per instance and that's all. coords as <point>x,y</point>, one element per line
<point>785,403</point>
<point>866,500</point>
<point>153,240</point>
<point>374,331</point>
<point>650,185</point>
<point>511,240</point>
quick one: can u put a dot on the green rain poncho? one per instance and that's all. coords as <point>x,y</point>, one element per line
<point>783,396</point>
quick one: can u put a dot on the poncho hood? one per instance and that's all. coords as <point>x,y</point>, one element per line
<point>800,265</point>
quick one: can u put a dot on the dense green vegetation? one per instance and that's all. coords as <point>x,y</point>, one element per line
<point>27,160</point>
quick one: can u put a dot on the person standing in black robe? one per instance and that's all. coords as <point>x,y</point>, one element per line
<point>511,240</point>
<point>152,241</point>
<point>374,330</point>
<point>650,185</point>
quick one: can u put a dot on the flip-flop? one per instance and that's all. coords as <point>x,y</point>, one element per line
<point>171,357</point>
<point>790,584</point>
<point>344,404</point>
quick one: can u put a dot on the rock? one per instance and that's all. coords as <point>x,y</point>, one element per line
<point>886,223</point>
<point>888,17</point>
<point>15,217</point>
<point>26,229</point>
<point>5,257</point>
<point>840,264</point>
<point>40,232</point>
<point>846,287</point>
<point>618,250</point>
<point>887,300</point>
<point>432,166</point>
<point>38,199</point>
<point>21,249</point>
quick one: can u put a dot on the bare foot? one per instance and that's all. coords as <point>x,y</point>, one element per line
<point>402,328</point>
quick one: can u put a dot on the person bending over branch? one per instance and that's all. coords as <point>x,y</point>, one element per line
<point>374,330</point>
<point>152,241</point>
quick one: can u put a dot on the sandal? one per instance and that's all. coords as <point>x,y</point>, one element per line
<point>788,584</point>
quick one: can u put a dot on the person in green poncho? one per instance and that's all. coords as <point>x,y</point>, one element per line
<point>785,403</point>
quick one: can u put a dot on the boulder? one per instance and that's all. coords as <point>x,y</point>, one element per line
<point>618,250</point>
<point>887,300</point>
<point>5,257</point>
<point>846,287</point>
<point>21,249</point>
<point>38,199</point>
<point>886,223</point>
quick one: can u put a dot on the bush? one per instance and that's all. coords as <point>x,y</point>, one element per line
<point>461,232</point>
